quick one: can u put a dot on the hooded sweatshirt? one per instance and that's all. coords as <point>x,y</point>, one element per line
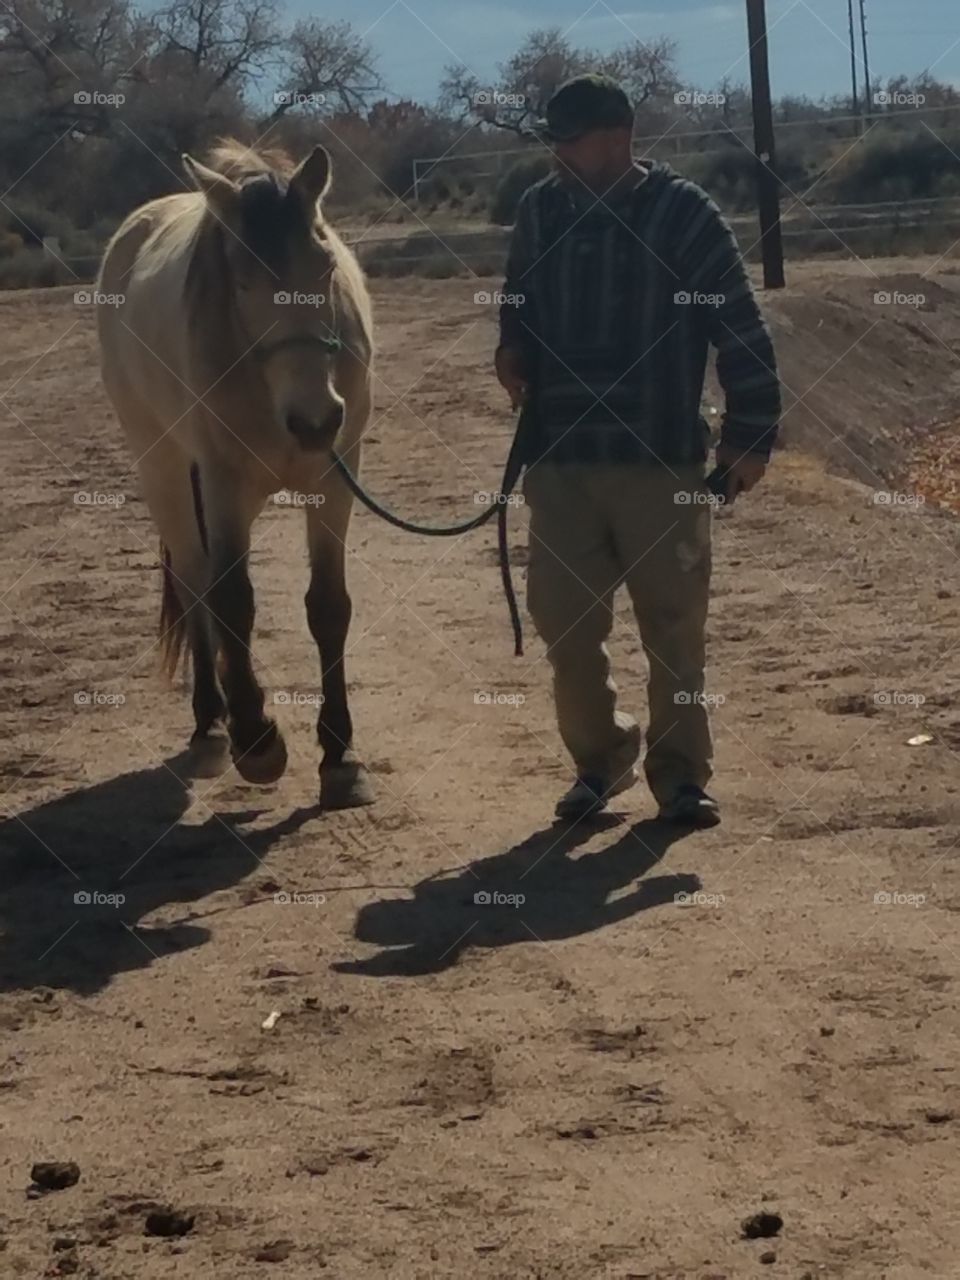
<point>614,301</point>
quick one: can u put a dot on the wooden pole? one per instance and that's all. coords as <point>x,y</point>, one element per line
<point>867,96</point>
<point>855,100</point>
<point>764,146</point>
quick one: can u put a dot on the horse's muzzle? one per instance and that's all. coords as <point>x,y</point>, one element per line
<point>314,436</point>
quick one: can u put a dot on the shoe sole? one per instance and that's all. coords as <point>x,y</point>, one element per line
<point>579,812</point>
<point>699,821</point>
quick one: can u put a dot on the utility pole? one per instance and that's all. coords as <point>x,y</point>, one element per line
<point>764,146</point>
<point>866,61</point>
<point>855,104</point>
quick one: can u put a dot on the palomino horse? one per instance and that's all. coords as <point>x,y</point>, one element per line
<point>239,356</point>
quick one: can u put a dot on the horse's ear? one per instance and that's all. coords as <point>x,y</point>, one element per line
<point>311,178</point>
<point>219,191</point>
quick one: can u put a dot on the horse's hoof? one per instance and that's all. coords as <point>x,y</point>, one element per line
<point>265,766</point>
<point>208,755</point>
<point>345,786</point>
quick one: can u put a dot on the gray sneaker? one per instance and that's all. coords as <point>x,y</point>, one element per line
<point>691,807</point>
<point>591,794</point>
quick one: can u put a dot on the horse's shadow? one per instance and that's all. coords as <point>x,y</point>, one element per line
<point>561,898</point>
<point>65,864</point>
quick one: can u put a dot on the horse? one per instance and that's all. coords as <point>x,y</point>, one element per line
<point>237,359</point>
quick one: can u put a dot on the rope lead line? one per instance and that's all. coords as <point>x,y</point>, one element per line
<point>498,506</point>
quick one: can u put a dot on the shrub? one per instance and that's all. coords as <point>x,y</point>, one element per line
<point>31,222</point>
<point>503,206</point>
<point>897,166</point>
<point>32,269</point>
<point>440,266</point>
<point>486,267</point>
<point>729,173</point>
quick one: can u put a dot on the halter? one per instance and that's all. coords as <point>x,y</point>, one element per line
<point>264,350</point>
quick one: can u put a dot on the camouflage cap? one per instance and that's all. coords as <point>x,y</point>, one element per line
<point>582,104</point>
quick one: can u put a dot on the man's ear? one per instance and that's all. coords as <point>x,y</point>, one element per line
<point>219,192</point>
<point>311,178</point>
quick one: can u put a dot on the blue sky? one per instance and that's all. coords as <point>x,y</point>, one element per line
<point>808,50</point>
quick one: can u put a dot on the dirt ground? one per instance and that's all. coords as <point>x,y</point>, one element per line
<point>668,1036</point>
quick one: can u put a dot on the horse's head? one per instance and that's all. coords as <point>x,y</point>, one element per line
<point>280,266</point>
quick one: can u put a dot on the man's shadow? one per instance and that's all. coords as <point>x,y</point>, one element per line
<point>78,874</point>
<point>533,892</point>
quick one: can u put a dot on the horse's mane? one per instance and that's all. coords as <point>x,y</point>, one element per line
<point>262,176</point>
<point>235,160</point>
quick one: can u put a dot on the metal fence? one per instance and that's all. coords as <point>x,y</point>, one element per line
<point>890,226</point>
<point>887,227</point>
<point>679,144</point>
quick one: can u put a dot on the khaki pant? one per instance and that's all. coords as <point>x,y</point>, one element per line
<point>593,527</point>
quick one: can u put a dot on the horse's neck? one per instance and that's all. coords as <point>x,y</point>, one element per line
<point>351,299</point>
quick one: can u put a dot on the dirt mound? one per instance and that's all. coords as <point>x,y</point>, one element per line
<point>868,356</point>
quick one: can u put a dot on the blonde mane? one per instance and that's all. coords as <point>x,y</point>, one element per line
<point>235,160</point>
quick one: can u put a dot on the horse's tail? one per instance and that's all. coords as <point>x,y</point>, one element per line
<point>173,621</point>
<point>173,625</point>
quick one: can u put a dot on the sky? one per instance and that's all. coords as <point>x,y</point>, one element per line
<point>809,53</point>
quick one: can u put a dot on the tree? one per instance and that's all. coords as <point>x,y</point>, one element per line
<point>646,71</point>
<point>328,67</point>
<point>63,70</point>
<point>525,83</point>
<point>527,80</point>
<point>224,42</point>
<point>401,132</point>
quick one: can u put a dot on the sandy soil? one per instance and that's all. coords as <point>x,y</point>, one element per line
<point>600,1082</point>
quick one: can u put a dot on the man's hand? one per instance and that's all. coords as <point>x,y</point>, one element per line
<point>743,470</point>
<point>510,366</point>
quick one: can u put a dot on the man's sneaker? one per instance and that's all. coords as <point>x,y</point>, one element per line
<point>691,807</point>
<point>590,794</point>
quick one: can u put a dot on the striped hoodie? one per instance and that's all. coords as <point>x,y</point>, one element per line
<point>614,302</point>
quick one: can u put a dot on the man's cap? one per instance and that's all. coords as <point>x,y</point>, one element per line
<point>584,103</point>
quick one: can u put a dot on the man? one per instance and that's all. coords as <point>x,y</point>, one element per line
<point>619,275</point>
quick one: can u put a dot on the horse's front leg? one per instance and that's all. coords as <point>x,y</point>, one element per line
<point>344,781</point>
<point>256,744</point>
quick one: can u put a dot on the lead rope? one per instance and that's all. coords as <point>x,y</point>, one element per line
<point>511,475</point>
